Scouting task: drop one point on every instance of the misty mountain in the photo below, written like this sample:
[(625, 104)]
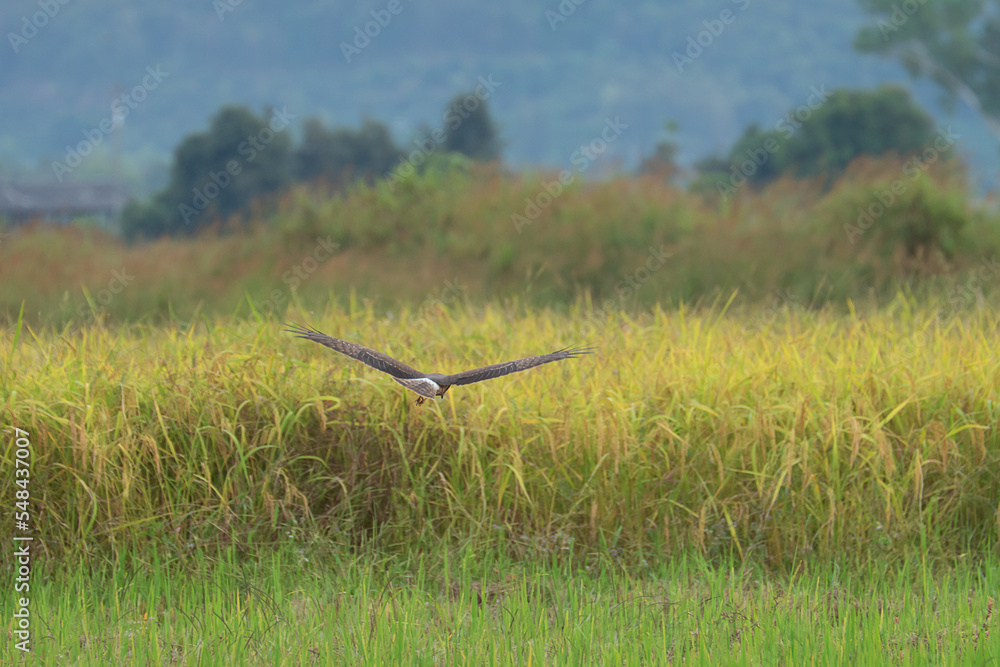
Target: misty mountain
[(73, 70)]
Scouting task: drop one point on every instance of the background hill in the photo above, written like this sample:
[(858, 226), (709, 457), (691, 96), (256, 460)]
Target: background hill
[(559, 79)]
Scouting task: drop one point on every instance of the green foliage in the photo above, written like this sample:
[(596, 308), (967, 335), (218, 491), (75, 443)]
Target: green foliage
[(906, 215), (217, 173), (663, 162), (760, 155), (821, 140), (711, 176), (399, 238), (955, 43), (343, 155), (470, 128), (430, 171), (854, 123), (150, 220), (445, 164)]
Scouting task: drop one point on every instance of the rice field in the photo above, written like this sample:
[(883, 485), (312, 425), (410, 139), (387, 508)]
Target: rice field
[(804, 433), (717, 485)]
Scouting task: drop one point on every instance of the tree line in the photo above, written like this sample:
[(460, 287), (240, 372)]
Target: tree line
[(244, 156)]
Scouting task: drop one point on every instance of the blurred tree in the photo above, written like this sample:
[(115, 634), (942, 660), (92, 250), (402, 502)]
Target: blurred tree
[(470, 129), (955, 43), (341, 155), (217, 173), (711, 174), (852, 123), (150, 219), (757, 153), (823, 138), (663, 161)]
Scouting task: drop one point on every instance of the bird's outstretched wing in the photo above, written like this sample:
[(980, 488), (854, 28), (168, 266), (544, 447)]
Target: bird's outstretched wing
[(369, 357), (508, 367)]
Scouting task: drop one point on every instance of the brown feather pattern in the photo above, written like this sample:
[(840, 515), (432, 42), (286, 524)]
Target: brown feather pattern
[(507, 367), (425, 383), (377, 360)]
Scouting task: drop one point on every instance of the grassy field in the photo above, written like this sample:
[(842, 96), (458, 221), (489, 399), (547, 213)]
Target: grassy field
[(778, 487), (784, 449), (304, 607), (628, 243)]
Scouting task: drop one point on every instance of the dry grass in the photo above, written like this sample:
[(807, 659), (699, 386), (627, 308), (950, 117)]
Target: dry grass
[(409, 245)]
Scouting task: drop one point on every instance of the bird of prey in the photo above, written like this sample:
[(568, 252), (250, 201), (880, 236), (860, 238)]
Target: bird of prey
[(429, 385)]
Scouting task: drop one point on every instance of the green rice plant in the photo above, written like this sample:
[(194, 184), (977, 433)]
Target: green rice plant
[(298, 606)]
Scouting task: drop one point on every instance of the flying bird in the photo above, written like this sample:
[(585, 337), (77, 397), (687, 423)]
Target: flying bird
[(429, 385)]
